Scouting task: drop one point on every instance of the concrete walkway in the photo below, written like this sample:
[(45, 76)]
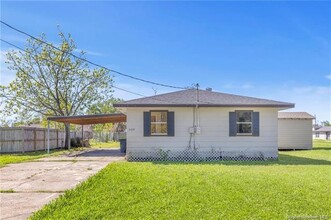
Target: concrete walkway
[(38, 182)]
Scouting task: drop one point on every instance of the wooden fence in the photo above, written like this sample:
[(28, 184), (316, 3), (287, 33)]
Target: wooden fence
[(104, 136), (29, 139)]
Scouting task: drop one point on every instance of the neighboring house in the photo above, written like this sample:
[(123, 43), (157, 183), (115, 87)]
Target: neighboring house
[(323, 133), (294, 130), (201, 125)]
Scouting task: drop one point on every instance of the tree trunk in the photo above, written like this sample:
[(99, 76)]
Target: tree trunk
[(67, 132)]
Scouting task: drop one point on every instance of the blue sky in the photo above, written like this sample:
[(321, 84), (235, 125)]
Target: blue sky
[(275, 50)]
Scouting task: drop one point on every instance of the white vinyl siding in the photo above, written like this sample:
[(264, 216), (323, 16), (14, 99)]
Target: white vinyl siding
[(295, 134), (214, 123)]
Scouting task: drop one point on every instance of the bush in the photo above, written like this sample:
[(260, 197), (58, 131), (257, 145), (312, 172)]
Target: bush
[(79, 142), (76, 142)]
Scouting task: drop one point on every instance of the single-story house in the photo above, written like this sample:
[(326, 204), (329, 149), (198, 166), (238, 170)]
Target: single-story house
[(201, 125), (294, 130), (323, 133)]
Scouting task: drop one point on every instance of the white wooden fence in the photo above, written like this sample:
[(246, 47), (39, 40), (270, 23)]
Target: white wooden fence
[(25, 139)]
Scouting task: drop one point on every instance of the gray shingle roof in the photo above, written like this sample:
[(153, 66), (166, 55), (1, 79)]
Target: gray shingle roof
[(187, 98), (294, 115), (324, 129)]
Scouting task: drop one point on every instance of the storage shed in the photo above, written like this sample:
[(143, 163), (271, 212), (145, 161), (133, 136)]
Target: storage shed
[(295, 131)]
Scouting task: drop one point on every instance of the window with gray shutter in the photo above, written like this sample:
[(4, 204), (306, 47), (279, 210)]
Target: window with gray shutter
[(159, 123), (171, 123), (244, 123), (232, 124), (256, 124), (147, 124)]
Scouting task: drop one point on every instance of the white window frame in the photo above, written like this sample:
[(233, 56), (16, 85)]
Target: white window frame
[(159, 123), (238, 123)]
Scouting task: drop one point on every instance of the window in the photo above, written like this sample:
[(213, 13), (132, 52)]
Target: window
[(317, 134), (159, 125), (244, 122)]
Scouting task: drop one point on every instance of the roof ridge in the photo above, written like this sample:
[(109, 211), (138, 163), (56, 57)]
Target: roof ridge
[(207, 98), (245, 96)]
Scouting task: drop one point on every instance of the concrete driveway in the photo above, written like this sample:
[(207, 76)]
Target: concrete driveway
[(36, 183)]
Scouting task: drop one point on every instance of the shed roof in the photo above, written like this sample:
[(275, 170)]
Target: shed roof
[(90, 119), (187, 98), (294, 115)]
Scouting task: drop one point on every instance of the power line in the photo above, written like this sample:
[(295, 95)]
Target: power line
[(134, 93), (13, 45), (90, 62), (116, 87)]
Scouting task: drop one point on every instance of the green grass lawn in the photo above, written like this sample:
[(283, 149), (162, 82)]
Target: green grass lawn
[(28, 156), (96, 144), (297, 185)]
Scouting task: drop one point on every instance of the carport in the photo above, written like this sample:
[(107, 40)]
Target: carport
[(85, 120)]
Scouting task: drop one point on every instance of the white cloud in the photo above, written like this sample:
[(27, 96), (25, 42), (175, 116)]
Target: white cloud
[(6, 75), (328, 77), (315, 100), (237, 86)]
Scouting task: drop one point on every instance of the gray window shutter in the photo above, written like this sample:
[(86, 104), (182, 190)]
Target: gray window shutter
[(171, 123), (232, 124), (147, 124), (256, 124)]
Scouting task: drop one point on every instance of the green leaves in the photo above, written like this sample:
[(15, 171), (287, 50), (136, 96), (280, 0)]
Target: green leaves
[(51, 82)]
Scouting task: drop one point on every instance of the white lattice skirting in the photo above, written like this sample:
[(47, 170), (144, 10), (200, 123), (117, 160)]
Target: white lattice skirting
[(196, 156)]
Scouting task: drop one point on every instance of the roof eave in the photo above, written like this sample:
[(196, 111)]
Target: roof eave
[(290, 105)]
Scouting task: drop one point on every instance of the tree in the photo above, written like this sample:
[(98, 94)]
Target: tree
[(104, 107), (51, 82), (325, 123)]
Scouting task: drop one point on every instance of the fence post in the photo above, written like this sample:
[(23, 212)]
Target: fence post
[(45, 140), (35, 139), (64, 138), (23, 134), (57, 138), (48, 136), (83, 136)]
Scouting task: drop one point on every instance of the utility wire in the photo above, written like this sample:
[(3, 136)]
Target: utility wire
[(13, 45), (90, 62), (134, 93), (116, 87)]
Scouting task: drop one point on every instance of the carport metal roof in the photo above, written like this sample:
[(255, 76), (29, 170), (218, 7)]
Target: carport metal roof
[(90, 119)]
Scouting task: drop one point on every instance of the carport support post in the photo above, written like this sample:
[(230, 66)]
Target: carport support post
[(83, 136), (48, 136)]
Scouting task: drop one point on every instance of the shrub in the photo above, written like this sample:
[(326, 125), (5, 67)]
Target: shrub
[(76, 142)]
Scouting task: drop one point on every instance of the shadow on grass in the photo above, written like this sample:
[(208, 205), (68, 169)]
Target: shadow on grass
[(282, 160), (322, 148), (33, 153)]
